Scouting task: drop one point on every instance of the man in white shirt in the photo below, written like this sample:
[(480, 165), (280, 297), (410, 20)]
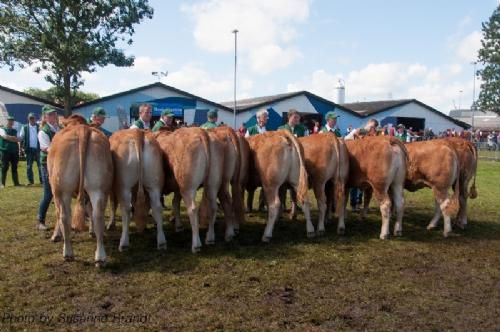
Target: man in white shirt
[(261, 126), (29, 142), (145, 114), (47, 132)]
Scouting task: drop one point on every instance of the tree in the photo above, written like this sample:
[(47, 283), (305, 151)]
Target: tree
[(55, 95), (68, 37), (489, 56)]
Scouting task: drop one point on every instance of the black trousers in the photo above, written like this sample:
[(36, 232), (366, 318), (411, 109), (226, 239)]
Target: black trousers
[(10, 159)]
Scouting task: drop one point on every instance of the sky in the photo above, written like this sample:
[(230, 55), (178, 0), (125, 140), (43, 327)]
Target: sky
[(381, 49)]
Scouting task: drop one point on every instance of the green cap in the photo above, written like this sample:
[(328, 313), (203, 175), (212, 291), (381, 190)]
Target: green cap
[(46, 109), (212, 113), (168, 113), (10, 117), (331, 115), (31, 115), (99, 111)]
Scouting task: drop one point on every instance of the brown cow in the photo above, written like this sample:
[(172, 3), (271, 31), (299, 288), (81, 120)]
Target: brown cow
[(326, 160), (467, 157), (435, 165), (379, 163), (225, 170), (138, 169), (187, 156), (277, 159), (79, 161)]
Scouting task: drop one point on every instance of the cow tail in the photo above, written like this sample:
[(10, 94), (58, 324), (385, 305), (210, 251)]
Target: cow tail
[(236, 189), (339, 186), (78, 220), (473, 191), (454, 205), (140, 208), (303, 185)]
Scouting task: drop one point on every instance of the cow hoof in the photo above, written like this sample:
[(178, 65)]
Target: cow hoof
[(266, 239), (229, 238), (398, 233), (195, 250), (341, 231), (446, 234), (69, 258), (431, 227), (100, 264), (111, 227), (122, 248), (56, 238), (384, 236), (210, 242), (321, 233), (162, 246), (311, 234), (179, 229)]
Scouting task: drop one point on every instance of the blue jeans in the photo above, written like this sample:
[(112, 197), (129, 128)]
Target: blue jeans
[(356, 197), (47, 195), (33, 155)]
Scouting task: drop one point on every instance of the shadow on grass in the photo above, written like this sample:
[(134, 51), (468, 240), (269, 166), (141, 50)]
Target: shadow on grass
[(288, 237)]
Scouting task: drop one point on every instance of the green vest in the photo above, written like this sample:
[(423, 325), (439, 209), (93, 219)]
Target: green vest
[(401, 136), (158, 125), (208, 125), (299, 130), (336, 131), (43, 154), (139, 124), (26, 140), (8, 146), (254, 130)]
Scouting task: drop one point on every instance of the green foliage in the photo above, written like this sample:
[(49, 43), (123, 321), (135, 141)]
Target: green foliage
[(489, 56), (55, 95), (67, 38)]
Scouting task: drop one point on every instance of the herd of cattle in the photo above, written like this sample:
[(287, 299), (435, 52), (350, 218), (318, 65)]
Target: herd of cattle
[(135, 168)]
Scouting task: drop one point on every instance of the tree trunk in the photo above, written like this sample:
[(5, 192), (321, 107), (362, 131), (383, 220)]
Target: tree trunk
[(67, 95)]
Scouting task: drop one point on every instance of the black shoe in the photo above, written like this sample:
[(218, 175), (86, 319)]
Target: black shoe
[(17, 185)]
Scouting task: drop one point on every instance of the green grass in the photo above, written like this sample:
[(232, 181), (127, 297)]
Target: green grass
[(353, 282)]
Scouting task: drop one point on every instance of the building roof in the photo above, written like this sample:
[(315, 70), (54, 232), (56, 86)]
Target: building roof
[(482, 120), (156, 84), (250, 103), (23, 94), (369, 108)]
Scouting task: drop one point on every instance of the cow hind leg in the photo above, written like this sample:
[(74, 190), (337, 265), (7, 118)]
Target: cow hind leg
[(157, 209), (385, 211), (227, 204), (209, 212), (367, 193), (57, 234), (88, 212), (274, 205), (63, 201), (98, 202), (125, 201), (192, 211), (437, 215), (114, 205), (319, 193), (398, 203), (462, 211), (176, 208), (444, 201)]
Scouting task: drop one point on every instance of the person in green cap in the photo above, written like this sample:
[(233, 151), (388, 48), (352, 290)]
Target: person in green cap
[(401, 133), (293, 125), (166, 121), (145, 114), (10, 151), (331, 124), (212, 119), (48, 128), (97, 120), (31, 147), (261, 126)]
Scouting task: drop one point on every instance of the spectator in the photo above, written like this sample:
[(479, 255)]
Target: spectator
[(166, 121), (316, 127), (9, 147), (29, 138), (48, 128), (97, 120), (401, 133), (331, 124), (261, 126), (145, 114), (242, 131), (212, 116), (293, 125)]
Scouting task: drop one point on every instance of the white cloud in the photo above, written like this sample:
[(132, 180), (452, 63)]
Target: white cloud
[(468, 47), (266, 28), (437, 86), (146, 64)]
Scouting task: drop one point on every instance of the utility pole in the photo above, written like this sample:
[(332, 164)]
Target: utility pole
[(235, 31), (473, 107)]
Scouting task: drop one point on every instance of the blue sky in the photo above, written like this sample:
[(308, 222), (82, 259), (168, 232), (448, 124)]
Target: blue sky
[(381, 49)]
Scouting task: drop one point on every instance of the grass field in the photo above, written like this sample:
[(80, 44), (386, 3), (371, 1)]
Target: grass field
[(353, 282)]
